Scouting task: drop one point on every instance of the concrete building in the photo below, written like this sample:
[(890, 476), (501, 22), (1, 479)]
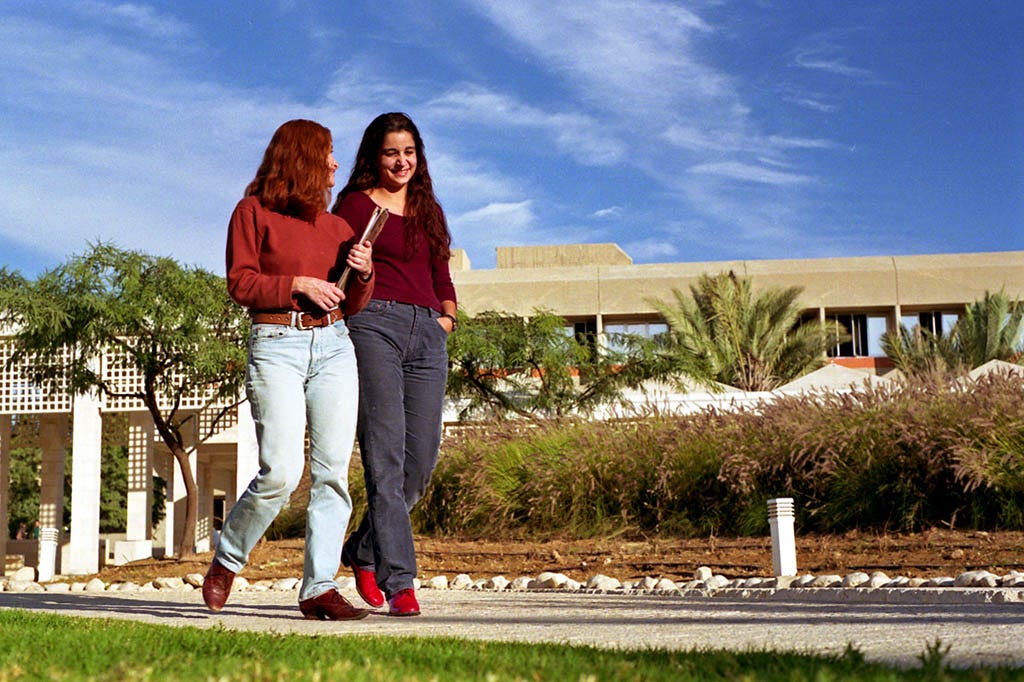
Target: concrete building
[(596, 287)]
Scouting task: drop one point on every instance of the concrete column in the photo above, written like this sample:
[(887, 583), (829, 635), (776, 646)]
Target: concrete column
[(5, 468), (204, 508), (138, 543), (53, 429), (165, 467), (86, 444)]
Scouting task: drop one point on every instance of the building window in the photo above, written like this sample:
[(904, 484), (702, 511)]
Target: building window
[(865, 332), (614, 332), (937, 322)]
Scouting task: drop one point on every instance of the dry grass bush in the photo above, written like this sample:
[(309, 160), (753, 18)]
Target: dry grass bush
[(927, 451)]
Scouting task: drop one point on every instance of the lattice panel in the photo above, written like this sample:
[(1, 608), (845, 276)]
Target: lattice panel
[(121, 377), (18, 395)]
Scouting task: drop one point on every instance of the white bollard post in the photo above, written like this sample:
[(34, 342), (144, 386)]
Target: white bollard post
[(780, 517), (48, 540)]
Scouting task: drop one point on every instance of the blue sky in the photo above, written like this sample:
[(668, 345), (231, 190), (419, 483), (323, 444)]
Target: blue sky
[(683, 131)]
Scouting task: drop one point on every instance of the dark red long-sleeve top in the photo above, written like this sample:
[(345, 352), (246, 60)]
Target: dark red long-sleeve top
[(266, 250), (419, 280)]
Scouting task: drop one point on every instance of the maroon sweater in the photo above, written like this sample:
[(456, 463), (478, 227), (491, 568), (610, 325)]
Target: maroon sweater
[(420, 280), (266, 250)]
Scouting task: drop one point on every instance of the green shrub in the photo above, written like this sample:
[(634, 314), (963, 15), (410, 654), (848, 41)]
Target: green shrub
[(902, 456)]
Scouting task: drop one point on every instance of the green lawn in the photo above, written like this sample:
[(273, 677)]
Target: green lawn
[(49, 647)]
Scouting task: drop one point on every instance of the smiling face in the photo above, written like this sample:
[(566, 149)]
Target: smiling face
[(332, 166), (397, 160)]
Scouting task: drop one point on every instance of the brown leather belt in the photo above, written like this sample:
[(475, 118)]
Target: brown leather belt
[(297, 319)]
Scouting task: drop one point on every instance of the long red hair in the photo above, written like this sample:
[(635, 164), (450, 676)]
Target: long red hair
[(293, 176)]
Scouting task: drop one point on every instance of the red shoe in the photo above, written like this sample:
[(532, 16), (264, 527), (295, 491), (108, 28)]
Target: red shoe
[(403, 604), (330, 606), (217, 586), (366, 582)]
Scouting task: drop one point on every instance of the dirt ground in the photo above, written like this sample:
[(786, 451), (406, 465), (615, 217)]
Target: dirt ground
[(932, 553)]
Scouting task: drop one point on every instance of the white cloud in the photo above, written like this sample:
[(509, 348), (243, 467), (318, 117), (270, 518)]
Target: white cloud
[(745, 172), (610, 212), (143, 19), (575, 135)]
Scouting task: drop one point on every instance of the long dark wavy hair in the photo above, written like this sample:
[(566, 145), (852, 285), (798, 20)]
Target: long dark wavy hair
[(293, 176), (422, 210)]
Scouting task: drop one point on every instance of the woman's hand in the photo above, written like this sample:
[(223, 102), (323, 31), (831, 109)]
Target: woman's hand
[(360, 259), (321, 292)]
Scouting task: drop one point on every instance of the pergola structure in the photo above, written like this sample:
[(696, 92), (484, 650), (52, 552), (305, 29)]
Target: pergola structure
[(222, 464)]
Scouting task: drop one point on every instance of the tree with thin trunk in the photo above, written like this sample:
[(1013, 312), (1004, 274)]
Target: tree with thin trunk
[(535, 368), (725, 332), (172, 326)]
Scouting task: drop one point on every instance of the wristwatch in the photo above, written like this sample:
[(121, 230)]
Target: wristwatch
[(455, 321)]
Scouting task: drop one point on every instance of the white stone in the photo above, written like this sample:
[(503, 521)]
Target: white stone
[(571, 585), (551, 581), (416, 584), (666, 586), (78, 586), (148, 587), (782, 582), (129, 587), (347, 583), (878, 579), (693, 584), (240, 584), (95, 585), (498, 582), (25, 574), (976, 579), (917, 582), (461, 582), (194, 579), (856, 579), (940, 581), (898, 581), (702, 573), (716, 582), (521, 584), (647, 584), (168, 583), (603, 583), (20, 585), (285, 584), (438, 582), (805, 580), (827, 581)]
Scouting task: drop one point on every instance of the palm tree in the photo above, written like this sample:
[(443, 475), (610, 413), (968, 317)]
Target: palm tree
[(724, 333), (990, 329), (920, 351)]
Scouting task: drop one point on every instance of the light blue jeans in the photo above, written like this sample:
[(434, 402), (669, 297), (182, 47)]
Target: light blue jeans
[(297, 377)]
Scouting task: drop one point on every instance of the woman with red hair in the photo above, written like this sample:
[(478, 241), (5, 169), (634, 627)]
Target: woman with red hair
[(285, 253)]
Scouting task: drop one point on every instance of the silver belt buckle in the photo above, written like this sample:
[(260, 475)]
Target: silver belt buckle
[(297, 319)]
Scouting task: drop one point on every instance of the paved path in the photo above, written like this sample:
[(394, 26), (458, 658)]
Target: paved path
[(979, 633)]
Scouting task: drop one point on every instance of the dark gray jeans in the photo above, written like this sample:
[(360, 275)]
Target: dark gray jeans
[(402, 357)]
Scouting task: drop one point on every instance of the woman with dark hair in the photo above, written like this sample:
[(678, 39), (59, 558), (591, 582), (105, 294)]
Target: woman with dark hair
[(284, 254), (401, 346)]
